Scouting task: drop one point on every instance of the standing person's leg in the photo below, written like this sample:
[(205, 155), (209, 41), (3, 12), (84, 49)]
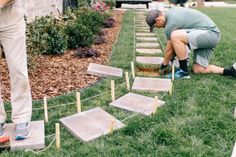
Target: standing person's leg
[(14, 44)]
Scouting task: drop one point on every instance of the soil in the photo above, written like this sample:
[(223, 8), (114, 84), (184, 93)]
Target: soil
[(55, 75)]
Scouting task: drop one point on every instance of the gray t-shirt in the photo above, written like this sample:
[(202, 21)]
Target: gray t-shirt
[(185, 18)]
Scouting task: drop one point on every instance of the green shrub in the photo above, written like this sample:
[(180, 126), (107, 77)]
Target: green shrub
[(83, 3), (46, 36), (92, 20), (110, 3), (79, 35)]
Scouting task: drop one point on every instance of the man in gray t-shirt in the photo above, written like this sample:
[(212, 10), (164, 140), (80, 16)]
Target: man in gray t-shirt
[(188, 28)]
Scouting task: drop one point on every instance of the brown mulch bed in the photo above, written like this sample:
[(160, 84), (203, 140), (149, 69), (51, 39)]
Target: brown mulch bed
[(55, 75)]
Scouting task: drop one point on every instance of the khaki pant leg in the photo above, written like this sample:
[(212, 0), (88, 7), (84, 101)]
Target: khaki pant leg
[(13, 41)]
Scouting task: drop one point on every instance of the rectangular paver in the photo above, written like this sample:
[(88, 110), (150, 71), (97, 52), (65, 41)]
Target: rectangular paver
[(150, 60), (147, 45), (35, 141), (137, 103), (152, 39), (151, 84), (91, 124), (103, 71), (143, 30), (145, 34), (149, 51)]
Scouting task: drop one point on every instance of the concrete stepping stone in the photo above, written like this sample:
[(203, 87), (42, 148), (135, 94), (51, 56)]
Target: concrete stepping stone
[(35, 141), (103, 71), (149, 51), (143, 30), (133, 6), (137, 103), (91, 124), (142, 27), (147, 45), (147, 38), (150, 60), (145, 34), (151, 84)]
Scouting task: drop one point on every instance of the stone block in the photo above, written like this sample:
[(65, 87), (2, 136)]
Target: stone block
[(147, 45), (91, 124), (145, 34), (137, 103), (152, 39), (149, 51), (150, 60), (151, 84), (104, 71), (35, 141)]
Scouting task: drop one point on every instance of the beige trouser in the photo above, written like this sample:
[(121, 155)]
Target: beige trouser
[(13, 40)]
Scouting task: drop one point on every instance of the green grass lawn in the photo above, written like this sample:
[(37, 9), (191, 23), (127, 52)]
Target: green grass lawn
[(197, 119)]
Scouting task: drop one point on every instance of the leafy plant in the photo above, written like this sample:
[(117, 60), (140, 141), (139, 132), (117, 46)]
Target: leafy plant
[(46, 36), (109, 22), (79, 35), (87, 52), (92, 20), (100, 38)]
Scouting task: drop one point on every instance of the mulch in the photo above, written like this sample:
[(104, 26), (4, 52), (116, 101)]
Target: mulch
[(55, 75)]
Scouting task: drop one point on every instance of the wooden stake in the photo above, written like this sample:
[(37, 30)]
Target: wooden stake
[(173, 73), (234, 150), (113, 90), (171, 89), (127, 80), (112, 125), (132, 69), (156, 105), (78, 102), (235, 113), (58, 139), (45, 109)]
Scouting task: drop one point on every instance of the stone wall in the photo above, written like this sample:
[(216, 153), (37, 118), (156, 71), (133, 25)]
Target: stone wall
[(36, 8)]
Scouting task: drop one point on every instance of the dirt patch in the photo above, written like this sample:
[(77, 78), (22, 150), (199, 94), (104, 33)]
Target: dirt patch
[(151, 72), (55, 75)]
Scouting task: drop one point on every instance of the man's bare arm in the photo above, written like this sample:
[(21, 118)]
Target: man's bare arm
[(169, 53)]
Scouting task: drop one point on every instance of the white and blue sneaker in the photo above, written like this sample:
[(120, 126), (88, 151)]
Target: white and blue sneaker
[(2, 128), (179, 74), (22, 131)]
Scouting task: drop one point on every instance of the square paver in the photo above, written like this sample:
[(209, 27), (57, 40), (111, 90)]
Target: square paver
[(103, 70), (145, 34), (150, 60), (35, 141), (149, 51), (91, 124), (147, 39), (147, 45), (137, 103), (151, 84), (143, 30)]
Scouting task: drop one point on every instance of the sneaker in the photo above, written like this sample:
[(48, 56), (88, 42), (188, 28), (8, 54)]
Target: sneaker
[(2, 128), (22, 131), (179, 73)]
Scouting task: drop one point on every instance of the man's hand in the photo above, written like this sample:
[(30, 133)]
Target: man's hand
[(164, 69), (4, 3)]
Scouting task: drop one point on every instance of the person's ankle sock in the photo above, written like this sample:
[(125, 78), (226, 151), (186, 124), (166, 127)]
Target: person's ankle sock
[(183, 65)]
